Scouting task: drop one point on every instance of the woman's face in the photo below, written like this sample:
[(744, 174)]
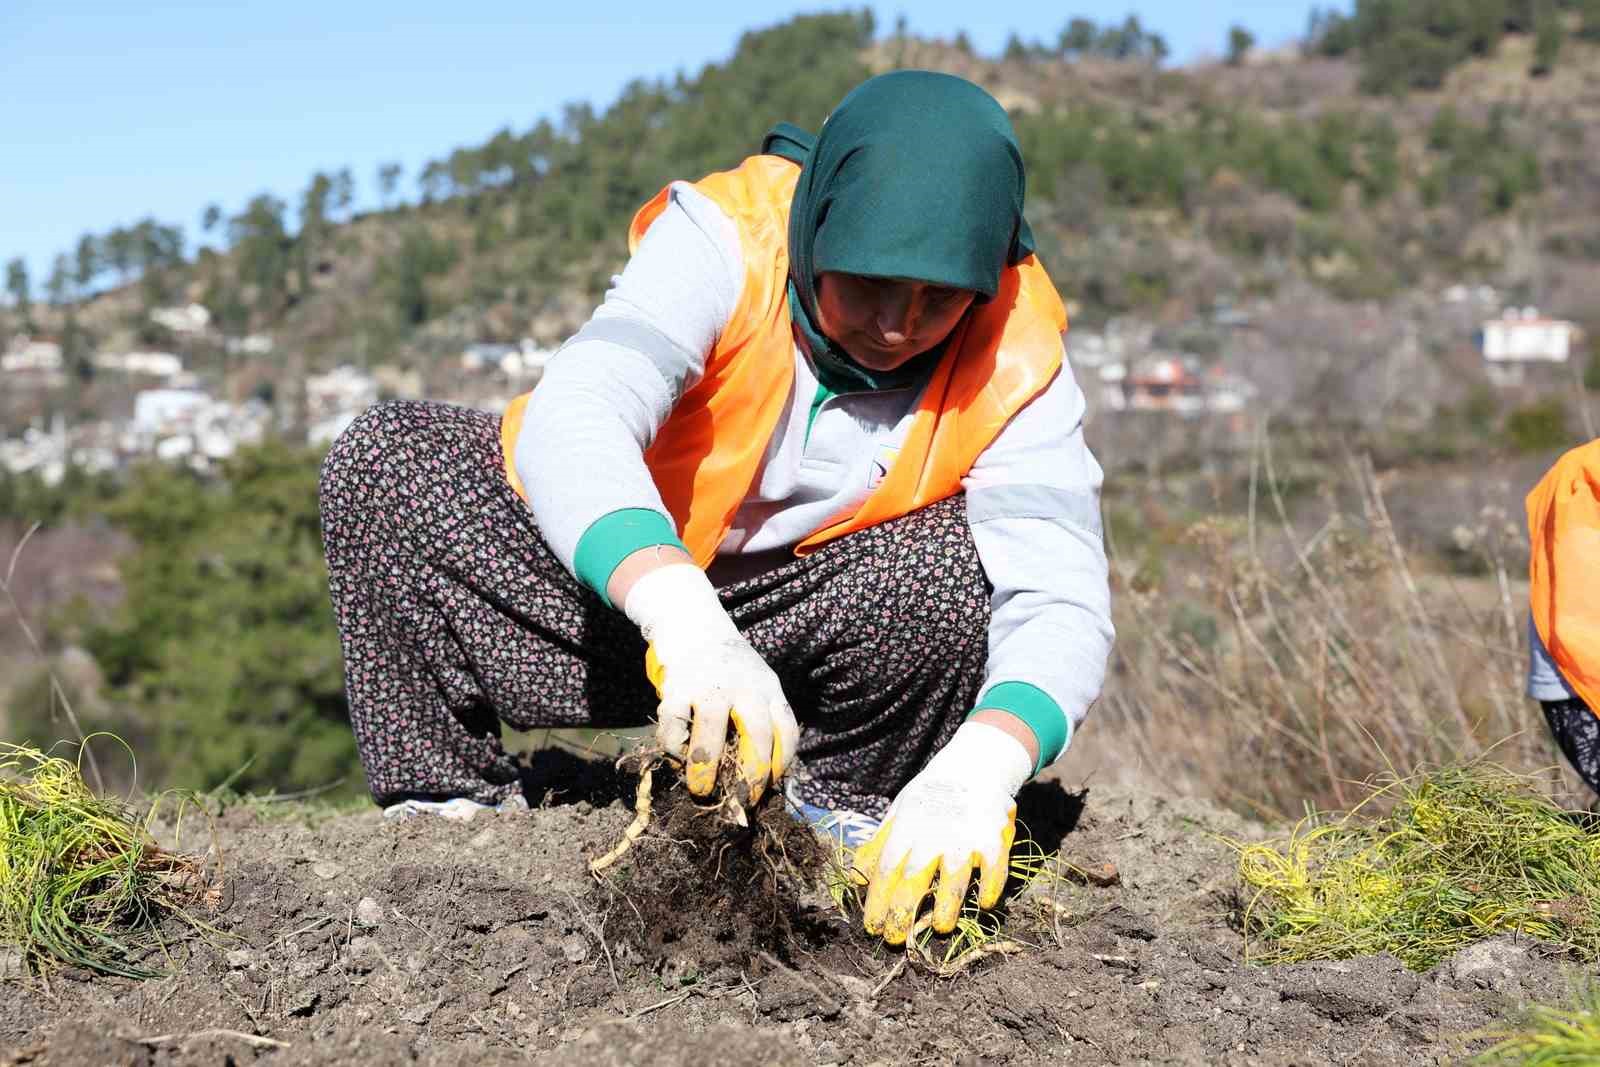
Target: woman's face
[(883, 322)]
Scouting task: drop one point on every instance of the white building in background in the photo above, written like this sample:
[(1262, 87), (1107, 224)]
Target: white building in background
[(1475, 294), (325, 431), (344, 388), (192, 426), (485, 354), (528, 361), (1091, 350), (27, 354), (400, 382), (1525, 336), (1521, 337), (524, 359), (1176, 385), (159, 411), (151, 364), (255, 344), (189, 320)]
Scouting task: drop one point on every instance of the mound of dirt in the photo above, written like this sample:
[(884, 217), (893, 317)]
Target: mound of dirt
[(357, 940)]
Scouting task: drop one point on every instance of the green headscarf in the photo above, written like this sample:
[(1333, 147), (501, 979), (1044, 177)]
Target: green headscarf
[(915, 175)]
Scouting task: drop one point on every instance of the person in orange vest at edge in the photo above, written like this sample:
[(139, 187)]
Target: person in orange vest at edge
[(1564, 595), (814, 467)]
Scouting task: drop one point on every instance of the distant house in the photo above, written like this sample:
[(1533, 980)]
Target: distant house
[(484, 354), (31, 355), (345, 388), (159, 411), (514, 361), (255, 344), (190, 319), (1525, 336), (153, 364), (1165, 384), (1463, 294), (324, 431), (1090, 350), (392, 381), (1174, 384), (1521, 337)]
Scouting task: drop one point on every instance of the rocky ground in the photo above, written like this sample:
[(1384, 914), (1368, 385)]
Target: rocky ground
[(349, 939)]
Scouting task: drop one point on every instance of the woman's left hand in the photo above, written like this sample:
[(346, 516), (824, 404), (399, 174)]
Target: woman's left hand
[(960, 812)]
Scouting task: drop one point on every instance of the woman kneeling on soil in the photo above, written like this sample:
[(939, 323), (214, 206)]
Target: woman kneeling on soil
[(1564, 594), (820, 447)]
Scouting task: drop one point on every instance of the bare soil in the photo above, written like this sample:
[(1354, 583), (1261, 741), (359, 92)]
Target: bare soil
[(351, 939)]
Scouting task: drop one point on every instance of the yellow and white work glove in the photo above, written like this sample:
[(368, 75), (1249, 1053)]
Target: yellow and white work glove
[(705, 674), (960, 812)]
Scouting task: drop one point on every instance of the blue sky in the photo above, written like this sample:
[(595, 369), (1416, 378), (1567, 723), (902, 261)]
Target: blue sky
[(110, 110)]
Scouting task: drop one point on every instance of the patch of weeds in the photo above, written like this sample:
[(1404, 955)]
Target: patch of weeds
[(82, 882), (1548, 1036), (1539, 427), (1462, 854)]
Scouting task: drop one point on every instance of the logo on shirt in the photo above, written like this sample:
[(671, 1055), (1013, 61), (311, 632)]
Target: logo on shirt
[(881, 464)]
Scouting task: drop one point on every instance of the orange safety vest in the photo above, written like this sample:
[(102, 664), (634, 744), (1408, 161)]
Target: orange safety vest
[(708, 453), (1564, 567)]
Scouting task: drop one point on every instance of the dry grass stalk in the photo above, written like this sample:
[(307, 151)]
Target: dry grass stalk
[(58, 695), (1334, 659)]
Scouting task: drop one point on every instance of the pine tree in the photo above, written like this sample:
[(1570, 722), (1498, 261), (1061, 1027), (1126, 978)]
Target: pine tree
[(1547, 42), (1589, 20), (17, 286), (1240, 41)]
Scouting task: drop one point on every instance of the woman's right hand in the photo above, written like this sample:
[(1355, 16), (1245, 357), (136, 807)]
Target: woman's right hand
[(706, 674)]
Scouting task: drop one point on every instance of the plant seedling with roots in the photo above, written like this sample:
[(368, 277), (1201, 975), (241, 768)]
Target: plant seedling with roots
[(717, 855), (711, 879), (725, 807), (81, 880)]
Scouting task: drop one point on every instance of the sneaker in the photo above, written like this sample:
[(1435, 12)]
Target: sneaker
[(456, 809), (849, 828)]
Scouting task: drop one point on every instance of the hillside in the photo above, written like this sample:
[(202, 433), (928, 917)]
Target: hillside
[(1160, 193)]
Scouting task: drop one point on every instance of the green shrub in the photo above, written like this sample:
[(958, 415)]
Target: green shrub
[(224, 643), (1193, 626), (1540, 427)]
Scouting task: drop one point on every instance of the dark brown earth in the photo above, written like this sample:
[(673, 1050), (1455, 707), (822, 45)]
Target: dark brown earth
[(349, 939)]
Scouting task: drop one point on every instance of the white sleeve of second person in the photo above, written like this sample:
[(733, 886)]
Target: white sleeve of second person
[(607, 391), (1545, 680), (1033, 502)]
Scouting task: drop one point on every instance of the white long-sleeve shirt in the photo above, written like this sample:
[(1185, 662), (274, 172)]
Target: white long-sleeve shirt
[(1032, 496)]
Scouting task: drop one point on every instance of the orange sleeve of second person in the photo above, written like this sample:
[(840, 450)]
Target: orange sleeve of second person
[(1564, 567)]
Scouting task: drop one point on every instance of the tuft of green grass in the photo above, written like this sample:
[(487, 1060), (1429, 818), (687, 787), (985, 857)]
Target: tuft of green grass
[(1551, 1037), (82, 881), (1461, 854)]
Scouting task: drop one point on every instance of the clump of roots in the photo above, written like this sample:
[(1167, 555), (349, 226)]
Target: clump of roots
[(713, 879)]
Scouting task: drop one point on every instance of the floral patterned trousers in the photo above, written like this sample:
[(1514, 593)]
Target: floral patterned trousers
[(455, 617), (1577, 734)]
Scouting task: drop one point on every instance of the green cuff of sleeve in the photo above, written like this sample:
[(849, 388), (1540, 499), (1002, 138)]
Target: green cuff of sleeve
[(614, 537), (1050, 725)]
